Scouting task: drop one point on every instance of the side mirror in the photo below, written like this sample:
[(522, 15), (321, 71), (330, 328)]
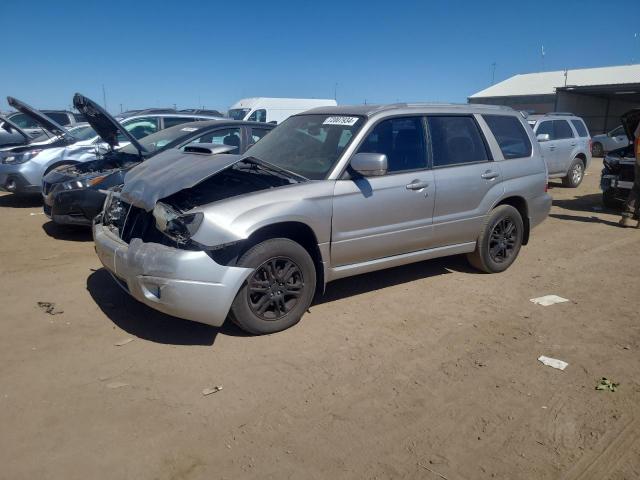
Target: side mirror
[(370, 164), (543, 137)]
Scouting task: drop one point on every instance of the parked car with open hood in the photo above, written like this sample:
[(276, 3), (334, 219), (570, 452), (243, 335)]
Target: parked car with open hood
[(330, 193), (610, 141), (22, 167), (565, 144), (75, 195), (620, 166), (89, 148)]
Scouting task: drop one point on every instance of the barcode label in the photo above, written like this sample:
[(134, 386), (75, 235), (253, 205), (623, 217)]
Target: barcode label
[(348, 121)]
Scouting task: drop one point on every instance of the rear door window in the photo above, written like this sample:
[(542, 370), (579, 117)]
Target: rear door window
[(173, 121), (400, 139), (580, 128), (510, 135), (456, 140), (257, 134), (59, 118), (546, 128), (562, 129)]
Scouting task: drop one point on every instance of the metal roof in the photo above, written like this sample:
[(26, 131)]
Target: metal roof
[(546, 83)]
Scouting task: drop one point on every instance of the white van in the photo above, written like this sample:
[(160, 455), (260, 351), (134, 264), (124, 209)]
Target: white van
[(274, 110)]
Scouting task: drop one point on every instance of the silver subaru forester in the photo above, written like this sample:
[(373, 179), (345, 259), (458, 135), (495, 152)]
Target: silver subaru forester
[(330, 193)]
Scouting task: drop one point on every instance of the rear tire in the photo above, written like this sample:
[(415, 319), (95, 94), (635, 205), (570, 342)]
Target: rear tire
[(278, 291), (500, 240), (575, 175), (597, 150)]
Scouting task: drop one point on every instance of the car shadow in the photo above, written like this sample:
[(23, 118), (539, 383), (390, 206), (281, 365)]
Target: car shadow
[(12, 200), (390, 277), (149, 324), (67, 232), (586, 203), (578, 218)]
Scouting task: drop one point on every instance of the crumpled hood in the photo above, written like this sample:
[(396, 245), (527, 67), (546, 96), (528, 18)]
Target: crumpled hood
[(169, 172)]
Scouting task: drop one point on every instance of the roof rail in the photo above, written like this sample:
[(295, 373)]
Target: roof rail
[(568, 114)]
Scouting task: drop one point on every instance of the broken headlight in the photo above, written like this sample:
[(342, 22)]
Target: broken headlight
[(177, 226)]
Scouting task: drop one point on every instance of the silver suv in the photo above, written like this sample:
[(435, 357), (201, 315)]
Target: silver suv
[(330, 193), (566, 145)]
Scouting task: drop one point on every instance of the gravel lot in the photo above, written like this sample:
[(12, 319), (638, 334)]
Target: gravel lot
[(426, 371)]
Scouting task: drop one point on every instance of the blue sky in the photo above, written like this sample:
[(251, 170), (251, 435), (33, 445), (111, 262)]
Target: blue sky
[(195, 53)]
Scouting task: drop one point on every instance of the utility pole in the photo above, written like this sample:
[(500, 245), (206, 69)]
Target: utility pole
[(542, 58), (104, 97), (493, 73), (335, 92), (120, 108)]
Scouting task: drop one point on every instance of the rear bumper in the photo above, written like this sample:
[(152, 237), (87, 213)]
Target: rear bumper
[(539, 208), (183, 283)]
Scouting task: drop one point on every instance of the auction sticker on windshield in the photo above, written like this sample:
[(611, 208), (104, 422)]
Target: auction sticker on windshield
[(348, 121)]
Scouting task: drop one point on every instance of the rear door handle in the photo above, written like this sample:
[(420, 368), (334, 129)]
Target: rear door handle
[(489, 175), (417, 185)]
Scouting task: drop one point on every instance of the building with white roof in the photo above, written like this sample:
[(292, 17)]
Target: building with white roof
[(598, 95)]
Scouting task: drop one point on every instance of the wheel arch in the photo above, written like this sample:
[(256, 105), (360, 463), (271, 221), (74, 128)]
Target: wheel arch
[(520, 204), (59, 163)]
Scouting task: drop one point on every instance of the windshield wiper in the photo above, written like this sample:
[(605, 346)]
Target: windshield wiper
[(275, 168)]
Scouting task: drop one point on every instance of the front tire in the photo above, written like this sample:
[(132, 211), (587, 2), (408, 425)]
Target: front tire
[(500, 240), (575, 175), (280, 289), (597, 150)]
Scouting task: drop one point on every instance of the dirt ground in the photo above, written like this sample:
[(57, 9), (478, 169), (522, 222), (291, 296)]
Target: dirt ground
[(427, 371)]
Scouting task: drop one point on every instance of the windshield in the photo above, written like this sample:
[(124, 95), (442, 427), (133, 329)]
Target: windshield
[(238, 113), (158, 140), (84, 132), (308, 145)]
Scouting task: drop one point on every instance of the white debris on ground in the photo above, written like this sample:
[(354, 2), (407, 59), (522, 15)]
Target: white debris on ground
[(114, 385), (124, 341), (553, 362), (209, 391), (548, 300)]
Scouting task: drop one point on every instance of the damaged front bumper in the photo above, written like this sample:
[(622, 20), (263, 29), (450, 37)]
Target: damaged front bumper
[(183, 283)]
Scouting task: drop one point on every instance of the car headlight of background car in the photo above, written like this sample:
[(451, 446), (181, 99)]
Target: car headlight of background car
[(174, 225), (20, 157), (84, 182)]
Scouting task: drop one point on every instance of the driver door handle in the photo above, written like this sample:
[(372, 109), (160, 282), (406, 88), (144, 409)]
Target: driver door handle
[(417, 185)]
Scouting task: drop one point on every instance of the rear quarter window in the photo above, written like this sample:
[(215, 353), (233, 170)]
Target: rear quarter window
[(510, 135), (580, 128)]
